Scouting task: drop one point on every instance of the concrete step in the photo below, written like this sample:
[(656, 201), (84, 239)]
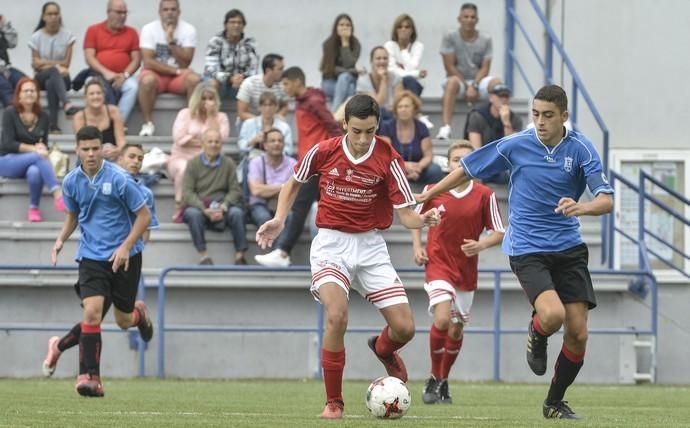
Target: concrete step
[(171, 245)]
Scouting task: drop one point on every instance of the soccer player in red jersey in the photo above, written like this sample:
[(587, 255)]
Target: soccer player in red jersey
[(361, 180), (451, 258)]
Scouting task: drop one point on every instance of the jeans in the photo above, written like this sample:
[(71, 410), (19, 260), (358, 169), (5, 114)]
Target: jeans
[(339, 89), (260, 214), (198, 222), (431, 174), (8, 81), (56, 86), (124, 98), (308, 193), (37, 171), (412, 84)]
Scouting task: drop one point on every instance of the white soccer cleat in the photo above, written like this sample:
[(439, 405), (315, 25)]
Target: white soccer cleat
[(50, 362), (147, 129), (444, 133), (273, 259)]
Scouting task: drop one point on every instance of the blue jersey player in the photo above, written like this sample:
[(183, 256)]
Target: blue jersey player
[(112, 214), (549, 169)]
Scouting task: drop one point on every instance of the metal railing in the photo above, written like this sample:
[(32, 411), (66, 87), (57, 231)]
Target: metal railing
[(642, 230), (36, 269), (496, 330), (552, 42)]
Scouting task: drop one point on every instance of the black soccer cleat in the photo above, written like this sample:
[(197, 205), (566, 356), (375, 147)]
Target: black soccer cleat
[(559, 410), (430, 395), (536, 351), (443, 393), (145, 325)]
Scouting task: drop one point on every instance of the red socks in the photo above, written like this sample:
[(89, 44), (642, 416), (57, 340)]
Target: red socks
[(437, 341), (449, 357), (333, 364), (385, 346)]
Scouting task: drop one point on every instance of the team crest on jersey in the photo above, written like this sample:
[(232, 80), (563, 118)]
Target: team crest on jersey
[(334, 172), (348, 174), (107, 188), (568, 164)]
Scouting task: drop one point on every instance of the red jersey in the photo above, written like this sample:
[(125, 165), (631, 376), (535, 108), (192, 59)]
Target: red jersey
[(356, 195), (315, 122), (112, 49), (464, 215)]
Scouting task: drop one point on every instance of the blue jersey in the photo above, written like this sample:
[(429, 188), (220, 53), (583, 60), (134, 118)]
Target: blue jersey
[(151, 203), (539, 177), (105, 207)]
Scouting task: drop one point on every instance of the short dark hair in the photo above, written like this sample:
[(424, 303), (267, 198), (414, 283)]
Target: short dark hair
[(234, 13), (272, 130), (553, 94), (362, 106), (89, 132), (130, 145), (269, 61), (294, 73), (468, 6)]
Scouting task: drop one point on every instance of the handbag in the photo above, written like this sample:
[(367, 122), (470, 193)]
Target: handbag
[(154, 161), (59, 160)]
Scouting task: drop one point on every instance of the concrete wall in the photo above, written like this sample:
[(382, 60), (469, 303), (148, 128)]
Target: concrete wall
[(639, 92)]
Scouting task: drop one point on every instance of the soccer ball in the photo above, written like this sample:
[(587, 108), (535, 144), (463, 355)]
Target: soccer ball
[(388, 398)]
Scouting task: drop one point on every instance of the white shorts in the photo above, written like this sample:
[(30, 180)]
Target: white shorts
[(355, 260), (483, 87), (461, 301)]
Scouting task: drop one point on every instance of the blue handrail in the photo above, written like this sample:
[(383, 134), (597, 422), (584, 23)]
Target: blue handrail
[(552, 41)]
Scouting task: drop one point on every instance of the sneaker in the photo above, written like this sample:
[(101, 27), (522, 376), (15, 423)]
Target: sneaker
[(147, 129), (72, 111), (443, 393), (145, 325), (559, 410), (333, 410), (425, 120), (34, 215), (443, 133), (206, 261), (536, 351), (89, 386), (430, 395), (273, 259), (50, 363), (394, 364), (55, 130), (240, 261), (59, 204)]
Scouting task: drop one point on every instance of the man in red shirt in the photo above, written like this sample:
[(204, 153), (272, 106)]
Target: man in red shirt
[(315, 123), (111, 50), (451, 259), (361, 179)]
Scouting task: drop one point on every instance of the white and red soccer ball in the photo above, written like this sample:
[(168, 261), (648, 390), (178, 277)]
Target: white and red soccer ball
[(388, 398)]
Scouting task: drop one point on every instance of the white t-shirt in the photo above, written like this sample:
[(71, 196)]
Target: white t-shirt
[(153, 37), (366, 86), (409, 58), (252, 87)]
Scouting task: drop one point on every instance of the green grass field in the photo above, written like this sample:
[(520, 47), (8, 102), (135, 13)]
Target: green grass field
[(259, 403)]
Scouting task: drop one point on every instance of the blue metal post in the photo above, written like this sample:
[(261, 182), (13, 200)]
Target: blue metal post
[(141, 346), (497, 326), (319, 332), (640, 219), (510, 43), (161, 324)]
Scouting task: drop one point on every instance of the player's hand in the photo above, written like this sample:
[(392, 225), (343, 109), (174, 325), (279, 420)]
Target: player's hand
[(570, 208), (432, 217), (268, 232), (471, 247), (420, 257), (56, 250), (120, 258), (420, 197)]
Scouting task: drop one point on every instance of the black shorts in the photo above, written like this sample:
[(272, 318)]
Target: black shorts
[(96, 278), (563, 271)]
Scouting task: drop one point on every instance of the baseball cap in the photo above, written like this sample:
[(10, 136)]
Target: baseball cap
[(502, 89)]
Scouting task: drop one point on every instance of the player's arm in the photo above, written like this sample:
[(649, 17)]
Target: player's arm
[(472, 247), (419, 252), (270, 230), (121, 256), (450, 181), (146, 236), (68, 227), (601, 204), (413, 220)]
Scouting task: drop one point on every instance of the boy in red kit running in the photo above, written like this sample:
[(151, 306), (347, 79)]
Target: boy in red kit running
[(451, 259), (361, 180)]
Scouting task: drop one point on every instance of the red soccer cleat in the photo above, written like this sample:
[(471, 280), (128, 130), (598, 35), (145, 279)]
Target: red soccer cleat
[(394, 364), (89, 386), (333, 410), (50, 363), (145, 325)]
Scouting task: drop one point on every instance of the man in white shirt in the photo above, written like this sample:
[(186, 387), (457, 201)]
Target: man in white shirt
[(252, 87), (167, 48)]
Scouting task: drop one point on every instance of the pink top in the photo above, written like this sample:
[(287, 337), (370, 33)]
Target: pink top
[(185, 128)]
